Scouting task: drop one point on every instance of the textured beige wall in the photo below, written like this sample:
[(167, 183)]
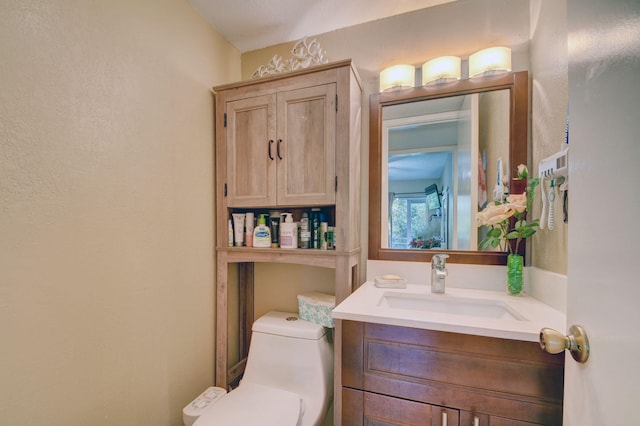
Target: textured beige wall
[(550, 97), (458, 28), (106, 209)]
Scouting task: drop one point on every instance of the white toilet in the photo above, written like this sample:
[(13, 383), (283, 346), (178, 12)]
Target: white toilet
[(288, 380)]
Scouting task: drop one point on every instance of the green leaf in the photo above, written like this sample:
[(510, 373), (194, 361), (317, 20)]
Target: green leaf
[(511, 235), (494, 232), (486, 243), (528, 233), (521, 224)]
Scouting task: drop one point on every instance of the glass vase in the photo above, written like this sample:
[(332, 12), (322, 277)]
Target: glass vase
[(514, 274)]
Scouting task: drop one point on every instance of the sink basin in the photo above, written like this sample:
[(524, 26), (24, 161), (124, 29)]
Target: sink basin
[(484, 308)]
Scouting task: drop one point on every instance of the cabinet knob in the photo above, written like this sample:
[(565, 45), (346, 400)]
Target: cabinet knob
[(476, 421), (554, 342), (444, 418), (270, 143)]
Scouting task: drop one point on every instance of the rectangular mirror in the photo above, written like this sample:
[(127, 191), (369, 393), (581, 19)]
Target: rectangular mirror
[(436, 153), (453, 143)]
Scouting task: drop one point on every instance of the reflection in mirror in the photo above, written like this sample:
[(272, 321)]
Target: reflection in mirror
[(455, 144), (438, 154)]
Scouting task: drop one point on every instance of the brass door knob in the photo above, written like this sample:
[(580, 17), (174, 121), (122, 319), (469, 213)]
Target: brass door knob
[(576, 342)]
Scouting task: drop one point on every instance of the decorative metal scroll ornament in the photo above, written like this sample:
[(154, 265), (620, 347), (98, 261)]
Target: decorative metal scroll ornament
[(305, 53)]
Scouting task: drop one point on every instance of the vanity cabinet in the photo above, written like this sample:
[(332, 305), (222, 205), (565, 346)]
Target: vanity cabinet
[(288, 140), (281, 148), (398, 375)]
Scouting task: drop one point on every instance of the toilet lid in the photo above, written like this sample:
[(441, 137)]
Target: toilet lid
[(252, 404)]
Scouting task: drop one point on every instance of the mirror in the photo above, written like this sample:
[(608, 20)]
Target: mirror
[(430, 149)]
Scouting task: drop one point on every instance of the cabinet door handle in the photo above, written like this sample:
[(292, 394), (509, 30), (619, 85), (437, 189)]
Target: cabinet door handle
[(278, 149), (444, 418), (476, 421), (270, 143)]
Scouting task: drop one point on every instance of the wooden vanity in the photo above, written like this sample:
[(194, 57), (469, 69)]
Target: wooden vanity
[(395, 375)]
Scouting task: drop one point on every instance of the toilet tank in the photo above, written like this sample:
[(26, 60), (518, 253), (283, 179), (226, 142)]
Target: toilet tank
[(292, 354)]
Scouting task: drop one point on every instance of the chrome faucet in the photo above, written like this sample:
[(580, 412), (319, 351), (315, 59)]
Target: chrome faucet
[(438, 272)]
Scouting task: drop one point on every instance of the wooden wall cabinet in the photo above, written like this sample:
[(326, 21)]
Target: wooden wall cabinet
[(281, 148), (397, 375), (290, 140)]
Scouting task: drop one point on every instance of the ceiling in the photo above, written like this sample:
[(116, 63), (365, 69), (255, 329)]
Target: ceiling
[(254, 24)]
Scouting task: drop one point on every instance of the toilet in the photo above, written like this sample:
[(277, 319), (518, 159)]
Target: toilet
[(288, 379)]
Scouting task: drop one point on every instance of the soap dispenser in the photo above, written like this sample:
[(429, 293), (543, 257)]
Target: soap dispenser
[(288, 232), (262, 233)]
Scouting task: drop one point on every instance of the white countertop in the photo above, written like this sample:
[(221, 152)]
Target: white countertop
[(364, 305)]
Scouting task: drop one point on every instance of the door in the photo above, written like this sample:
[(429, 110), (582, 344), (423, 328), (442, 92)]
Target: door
[(465, 210), (372, 409), (604, 211), (305, 146), (251, 152)]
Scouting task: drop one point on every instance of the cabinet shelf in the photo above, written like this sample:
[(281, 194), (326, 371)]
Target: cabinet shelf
[(310, 257)]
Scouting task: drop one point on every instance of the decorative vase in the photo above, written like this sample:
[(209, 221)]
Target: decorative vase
[(514, 274)]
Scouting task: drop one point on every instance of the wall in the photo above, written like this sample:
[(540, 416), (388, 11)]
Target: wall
[(549, 100), (106, 210), (458, 28), (494, 135)]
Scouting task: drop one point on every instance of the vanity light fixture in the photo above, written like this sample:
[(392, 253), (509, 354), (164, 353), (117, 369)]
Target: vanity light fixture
[(397, 77), (441, 70), (490, 61)]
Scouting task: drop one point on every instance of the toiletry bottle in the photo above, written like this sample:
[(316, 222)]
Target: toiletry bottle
[(305, 235), (274, 227), (230, 233), (315, 219), (262, 233), (288, 232), (330, 236), (248, 227), (314, 224), (324, 228), (238, 228)]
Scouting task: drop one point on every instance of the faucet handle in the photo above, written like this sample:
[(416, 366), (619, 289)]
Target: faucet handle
[(439, 260)]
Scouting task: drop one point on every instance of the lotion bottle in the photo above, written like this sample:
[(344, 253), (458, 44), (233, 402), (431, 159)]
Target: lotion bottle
[(288, 232), (262, 233)]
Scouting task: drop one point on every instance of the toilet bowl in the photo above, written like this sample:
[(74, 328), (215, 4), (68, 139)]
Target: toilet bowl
[(288, 380)]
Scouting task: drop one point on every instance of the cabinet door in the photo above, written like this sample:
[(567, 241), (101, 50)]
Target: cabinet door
[(380, 410), (473, 419), (251, 152), (371, 409), (305, 146), (444, 416)]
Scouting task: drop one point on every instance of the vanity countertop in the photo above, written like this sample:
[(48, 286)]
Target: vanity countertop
[(364, 305)]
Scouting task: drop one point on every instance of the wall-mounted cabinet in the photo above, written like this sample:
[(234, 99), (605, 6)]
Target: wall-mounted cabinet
[(290, 140), (281, 148)]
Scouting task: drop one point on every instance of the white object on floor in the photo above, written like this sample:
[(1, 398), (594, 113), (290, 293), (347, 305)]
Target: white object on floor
[(198, 406)]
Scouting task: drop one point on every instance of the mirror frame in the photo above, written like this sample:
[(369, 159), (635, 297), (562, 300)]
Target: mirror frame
[(518, 85)]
